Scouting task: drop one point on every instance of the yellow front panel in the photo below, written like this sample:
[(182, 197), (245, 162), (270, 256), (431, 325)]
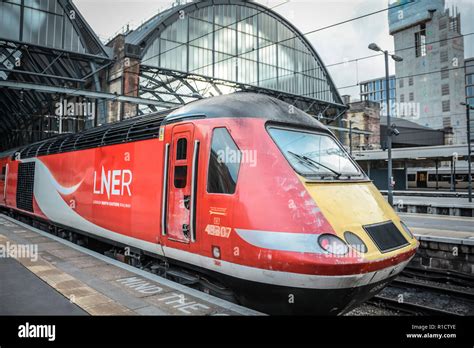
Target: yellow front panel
[(348, 206)]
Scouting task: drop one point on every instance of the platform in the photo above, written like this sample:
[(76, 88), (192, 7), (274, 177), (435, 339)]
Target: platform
[(454, 206), (446, 242), (428, 193), (51, 276), (23, 293), (458, 229)]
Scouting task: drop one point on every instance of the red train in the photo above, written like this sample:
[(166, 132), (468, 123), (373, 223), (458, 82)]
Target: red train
[(242, 189)]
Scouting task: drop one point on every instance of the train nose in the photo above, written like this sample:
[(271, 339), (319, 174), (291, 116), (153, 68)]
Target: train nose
[(361, 217)]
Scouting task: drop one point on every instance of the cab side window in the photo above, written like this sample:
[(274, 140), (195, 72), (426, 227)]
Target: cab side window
[(181, 169), (4, 172), (224, 163)]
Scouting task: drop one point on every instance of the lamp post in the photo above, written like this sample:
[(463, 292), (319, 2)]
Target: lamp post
[(350, 134), (469, 176), (376, 48)]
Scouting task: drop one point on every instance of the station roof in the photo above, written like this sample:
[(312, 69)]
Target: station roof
[(442, 152), (404, 123), (236, 105)]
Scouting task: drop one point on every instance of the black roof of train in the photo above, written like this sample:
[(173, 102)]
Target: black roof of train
[(238, 105), (247, 105)]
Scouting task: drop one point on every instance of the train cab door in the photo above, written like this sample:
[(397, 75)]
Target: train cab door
[(422, 179), (178, 224)]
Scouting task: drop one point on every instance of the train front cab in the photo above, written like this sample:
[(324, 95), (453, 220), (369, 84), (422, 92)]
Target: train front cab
[(242, 199)]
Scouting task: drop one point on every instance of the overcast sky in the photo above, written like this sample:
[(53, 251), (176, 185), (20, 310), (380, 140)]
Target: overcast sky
[(338, 44)]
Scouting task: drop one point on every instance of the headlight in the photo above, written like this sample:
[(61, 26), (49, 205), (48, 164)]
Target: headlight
[(407, 230), (333, 244), (355, 242)]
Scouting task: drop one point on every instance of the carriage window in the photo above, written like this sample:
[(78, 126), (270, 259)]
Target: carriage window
[(180, 176), (411, 177), (224, 163), (2, 175), (445, 177), (181, 171), (181, 149)]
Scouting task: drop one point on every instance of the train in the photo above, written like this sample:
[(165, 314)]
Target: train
[(244, 190), (430, 178)]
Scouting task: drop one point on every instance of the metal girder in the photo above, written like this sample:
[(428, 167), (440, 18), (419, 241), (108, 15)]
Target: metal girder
[(10, 102), (34, 48), (161, 84), (85, 93), (29, 87), (23, 72), (156, 79)]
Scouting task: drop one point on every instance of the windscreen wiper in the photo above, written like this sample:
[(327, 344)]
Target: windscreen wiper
[(314, 163), (304, 161)]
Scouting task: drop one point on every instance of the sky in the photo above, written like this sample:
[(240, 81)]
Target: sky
[(338, 44)]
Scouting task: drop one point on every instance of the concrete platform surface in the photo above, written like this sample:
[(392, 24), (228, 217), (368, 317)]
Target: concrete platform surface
[(442, 202), (70, 279), (429, 193), (449, 229), (23, 293)]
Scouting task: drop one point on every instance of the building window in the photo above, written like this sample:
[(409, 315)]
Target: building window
[(470, 79), (420, 42), (446, 122), (400, 83), (443, 56), (402, 98), (411, 96), (224, 163), (444, 73), (443, 39), (446, 106), (410, 81), (445, 89), (443, 23)]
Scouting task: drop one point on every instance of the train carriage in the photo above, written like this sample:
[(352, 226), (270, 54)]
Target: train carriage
[(243, 190)]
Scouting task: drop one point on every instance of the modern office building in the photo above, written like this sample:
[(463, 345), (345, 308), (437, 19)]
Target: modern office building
[(374, 90), (469, 64), (431, 76)]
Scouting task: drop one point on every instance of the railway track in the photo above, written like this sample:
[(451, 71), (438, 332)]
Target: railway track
[(463, 294), (428, 292), (439, 276), (407, 307)]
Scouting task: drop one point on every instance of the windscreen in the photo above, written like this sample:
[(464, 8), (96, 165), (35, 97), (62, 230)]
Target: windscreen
[(314, 154)]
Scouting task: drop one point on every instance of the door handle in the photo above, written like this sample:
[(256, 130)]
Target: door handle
[(186, 230), (187, 201)]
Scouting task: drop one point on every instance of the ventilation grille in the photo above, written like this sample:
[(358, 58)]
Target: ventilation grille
[(386, 236), (25, 185), (134, 129)]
